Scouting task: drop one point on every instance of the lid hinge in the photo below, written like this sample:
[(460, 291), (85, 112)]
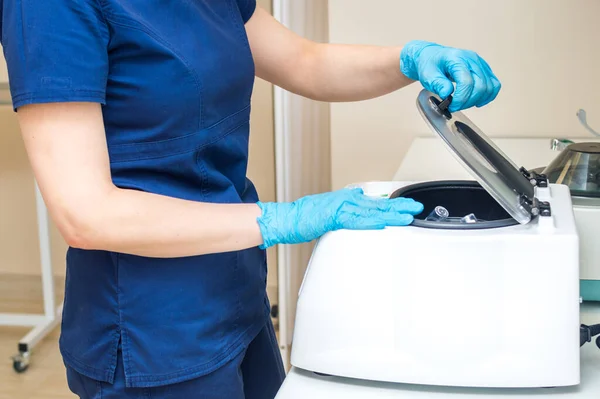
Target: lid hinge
[(532, 205), (535, 207), (544, 208), (536, 179), (527, 204)]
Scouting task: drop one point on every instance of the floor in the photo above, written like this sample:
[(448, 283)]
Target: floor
[(45, 377)]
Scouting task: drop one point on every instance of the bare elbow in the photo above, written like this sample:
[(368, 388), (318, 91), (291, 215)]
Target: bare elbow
[(75, 231), (78, 238), (77, 226)]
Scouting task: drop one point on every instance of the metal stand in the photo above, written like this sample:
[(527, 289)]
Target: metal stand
[(42, 324)]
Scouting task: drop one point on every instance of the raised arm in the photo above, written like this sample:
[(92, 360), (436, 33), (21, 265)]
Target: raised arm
[(325, 72), (339, 72)]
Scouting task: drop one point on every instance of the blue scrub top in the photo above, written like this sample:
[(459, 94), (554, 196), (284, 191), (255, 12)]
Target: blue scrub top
[(175, 80)]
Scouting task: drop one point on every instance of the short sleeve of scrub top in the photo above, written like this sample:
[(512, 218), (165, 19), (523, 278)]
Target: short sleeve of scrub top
[(55, 50)]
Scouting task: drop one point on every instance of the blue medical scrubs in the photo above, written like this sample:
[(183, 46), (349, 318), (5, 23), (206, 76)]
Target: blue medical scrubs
[(174, 78)]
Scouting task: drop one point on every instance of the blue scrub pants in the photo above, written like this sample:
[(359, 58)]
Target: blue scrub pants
[(257, 373)]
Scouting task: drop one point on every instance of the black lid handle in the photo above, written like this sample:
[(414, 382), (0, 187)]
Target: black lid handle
[(443, 106)]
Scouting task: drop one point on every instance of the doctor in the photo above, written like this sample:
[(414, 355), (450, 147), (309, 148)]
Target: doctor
[(135, 117)]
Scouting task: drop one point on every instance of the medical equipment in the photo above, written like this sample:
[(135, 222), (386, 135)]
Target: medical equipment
[(582, 116), (489, 304), (470, 218), (438, 213), (578, 167)]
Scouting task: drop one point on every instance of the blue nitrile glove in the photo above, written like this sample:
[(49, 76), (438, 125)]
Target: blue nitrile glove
[(436, 67), (308, 218)]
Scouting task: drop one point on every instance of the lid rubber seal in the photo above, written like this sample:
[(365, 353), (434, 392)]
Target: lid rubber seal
[(513, 189)]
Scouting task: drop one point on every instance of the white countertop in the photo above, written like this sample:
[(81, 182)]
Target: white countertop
[(429, 159), (300, 384)]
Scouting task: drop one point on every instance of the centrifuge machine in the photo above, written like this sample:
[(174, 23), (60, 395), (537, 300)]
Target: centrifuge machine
[(458, 298), (578, 167)]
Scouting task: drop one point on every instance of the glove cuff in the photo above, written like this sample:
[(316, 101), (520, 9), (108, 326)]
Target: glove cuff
[(264, 221), (409, 55)]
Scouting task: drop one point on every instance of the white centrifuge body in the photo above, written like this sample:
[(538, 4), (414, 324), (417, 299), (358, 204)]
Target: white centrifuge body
[(494, 307)]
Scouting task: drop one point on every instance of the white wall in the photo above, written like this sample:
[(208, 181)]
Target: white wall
[(545, 52), (3, 69), (302, 155)]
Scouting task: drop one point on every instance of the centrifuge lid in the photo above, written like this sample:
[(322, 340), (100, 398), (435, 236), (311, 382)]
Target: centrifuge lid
[(578, 167), (496, 173)]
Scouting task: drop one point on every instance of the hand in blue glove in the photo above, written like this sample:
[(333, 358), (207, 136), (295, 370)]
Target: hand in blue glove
[(436, 67), (310, 217)]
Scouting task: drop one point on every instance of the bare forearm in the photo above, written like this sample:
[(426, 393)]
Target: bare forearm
[(66, 144), (338, 72), (144, 224)]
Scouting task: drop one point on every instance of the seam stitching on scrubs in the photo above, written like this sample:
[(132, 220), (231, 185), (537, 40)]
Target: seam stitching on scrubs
[(101, 6), (95, 373), (126, 356), (79, 364), (192, 370), (197, 148), (213, 126), (83, 95), (110, 373), (236, 22), (201, 149), (119, 333), (33, 94), (203, 174), (120, 21), (239, 25)]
